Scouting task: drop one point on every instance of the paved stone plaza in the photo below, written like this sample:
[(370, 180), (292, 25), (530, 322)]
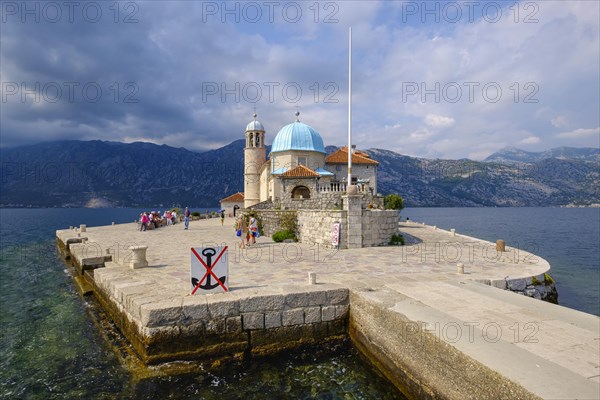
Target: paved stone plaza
[(551, 351), (432, 255)]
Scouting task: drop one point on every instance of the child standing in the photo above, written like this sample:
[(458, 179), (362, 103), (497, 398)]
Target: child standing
[(241, 230)]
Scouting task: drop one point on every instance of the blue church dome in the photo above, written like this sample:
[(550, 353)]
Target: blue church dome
[(297, 136)]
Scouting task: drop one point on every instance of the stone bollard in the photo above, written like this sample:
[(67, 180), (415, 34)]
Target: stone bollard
[(113, 223), (453, 232), (435, 228), (460, 268), (71, 227), (312, 278), (500, 245), (138, 258), (82, 227)]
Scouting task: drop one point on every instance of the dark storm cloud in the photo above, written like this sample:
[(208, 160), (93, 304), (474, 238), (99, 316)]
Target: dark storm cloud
[(169, 72), (150, 78), (90, 80)]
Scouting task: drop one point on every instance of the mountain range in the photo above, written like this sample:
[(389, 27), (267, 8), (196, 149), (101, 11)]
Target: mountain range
[(510, 155), (112, 174)]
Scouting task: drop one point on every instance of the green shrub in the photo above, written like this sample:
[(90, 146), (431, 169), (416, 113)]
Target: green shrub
[(280, 236), (195, 213), (397, 240), (289, 221), (393, 202)]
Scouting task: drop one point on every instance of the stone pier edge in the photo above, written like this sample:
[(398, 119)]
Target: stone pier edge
[(419, 364), (395, 356), (535, 286), (214, 325)]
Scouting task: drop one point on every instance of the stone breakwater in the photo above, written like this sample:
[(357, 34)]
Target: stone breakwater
[(165, 325), (229, 324), (419, 312)]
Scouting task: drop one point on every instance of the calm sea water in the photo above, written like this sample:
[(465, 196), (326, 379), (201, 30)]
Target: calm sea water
[(50, 347), (568, 238)]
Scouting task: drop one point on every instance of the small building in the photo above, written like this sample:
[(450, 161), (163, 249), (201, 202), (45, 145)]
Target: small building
[(364, 168), (232, 204)]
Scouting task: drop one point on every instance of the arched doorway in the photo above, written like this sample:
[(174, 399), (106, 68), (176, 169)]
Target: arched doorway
[(300, 192)]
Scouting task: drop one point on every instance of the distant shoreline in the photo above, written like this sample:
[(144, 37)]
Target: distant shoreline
[(193, 208), (214, 208)]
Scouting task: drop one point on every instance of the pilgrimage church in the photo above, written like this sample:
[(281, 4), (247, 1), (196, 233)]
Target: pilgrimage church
[(298, 173)]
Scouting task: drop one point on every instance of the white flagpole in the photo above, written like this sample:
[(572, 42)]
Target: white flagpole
[(349, 106)]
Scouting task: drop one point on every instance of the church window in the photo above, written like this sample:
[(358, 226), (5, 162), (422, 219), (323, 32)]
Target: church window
[(301, 160)]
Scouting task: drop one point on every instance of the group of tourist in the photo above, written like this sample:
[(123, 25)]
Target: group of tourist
[(154, 220), (246, 231)]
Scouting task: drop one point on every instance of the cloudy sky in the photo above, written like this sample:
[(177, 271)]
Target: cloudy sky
[(430, 79)]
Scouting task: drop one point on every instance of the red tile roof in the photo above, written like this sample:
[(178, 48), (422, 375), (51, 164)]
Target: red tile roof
[(340, 156), (239, 196), (300, 171)]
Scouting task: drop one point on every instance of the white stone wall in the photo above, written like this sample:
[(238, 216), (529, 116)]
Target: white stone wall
[(368, 227), (316, 227), (317, 201), (271, 220), (378, 226), (352, 204)]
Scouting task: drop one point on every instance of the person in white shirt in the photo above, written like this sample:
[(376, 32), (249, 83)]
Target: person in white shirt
[(253, 229)]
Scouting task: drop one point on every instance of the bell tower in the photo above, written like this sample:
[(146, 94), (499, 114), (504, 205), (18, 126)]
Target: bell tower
[(254, 158)]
